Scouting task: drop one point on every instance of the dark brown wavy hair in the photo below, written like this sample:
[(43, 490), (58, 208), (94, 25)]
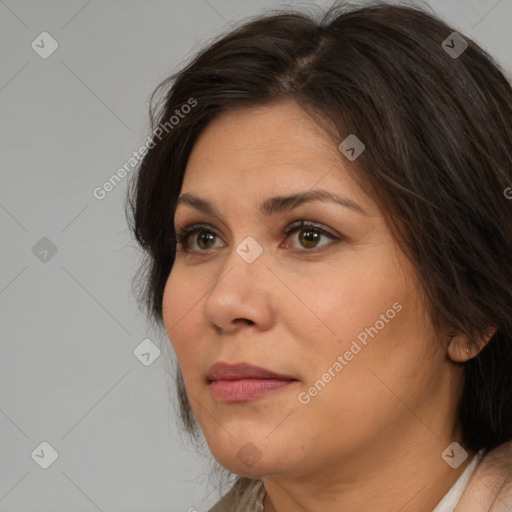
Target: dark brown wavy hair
[(438, 158)]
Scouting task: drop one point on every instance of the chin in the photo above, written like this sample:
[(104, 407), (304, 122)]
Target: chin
[(251, 456), (248, 469)]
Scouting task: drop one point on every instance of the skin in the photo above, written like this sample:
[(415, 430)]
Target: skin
[(372, 438)]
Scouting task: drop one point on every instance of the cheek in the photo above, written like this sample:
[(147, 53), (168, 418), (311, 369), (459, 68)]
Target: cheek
[(180, 309), (372, 317), (348, 303)]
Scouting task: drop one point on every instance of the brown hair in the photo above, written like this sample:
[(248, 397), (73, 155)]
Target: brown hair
[(437, 130)]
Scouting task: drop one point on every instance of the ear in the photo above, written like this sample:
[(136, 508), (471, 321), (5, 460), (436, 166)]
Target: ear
[(461, 349)]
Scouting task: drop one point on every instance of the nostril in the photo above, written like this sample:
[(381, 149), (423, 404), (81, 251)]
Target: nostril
[(238, 321), (220, 331)]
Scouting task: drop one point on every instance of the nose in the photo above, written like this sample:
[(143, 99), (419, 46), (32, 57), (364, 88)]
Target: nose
[(241, 295)]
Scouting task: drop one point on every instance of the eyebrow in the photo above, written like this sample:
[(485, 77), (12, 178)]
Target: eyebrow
[(274, 205)]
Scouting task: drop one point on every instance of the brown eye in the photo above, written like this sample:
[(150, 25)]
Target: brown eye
[(309, 234), (200, 238), (309, 237), (204, 238)]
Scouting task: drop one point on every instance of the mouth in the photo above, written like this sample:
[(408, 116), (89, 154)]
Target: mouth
[(243, 382)]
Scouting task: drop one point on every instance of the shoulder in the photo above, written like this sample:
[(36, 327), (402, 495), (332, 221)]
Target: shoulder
[(490, 487), (246, 495)]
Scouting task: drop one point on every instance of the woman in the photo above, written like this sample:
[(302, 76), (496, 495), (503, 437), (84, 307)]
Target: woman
[(325, 215)]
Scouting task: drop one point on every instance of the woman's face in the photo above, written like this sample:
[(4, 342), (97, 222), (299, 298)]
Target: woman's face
[(334, 306)]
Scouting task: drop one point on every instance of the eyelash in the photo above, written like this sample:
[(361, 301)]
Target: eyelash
[(185, 233)]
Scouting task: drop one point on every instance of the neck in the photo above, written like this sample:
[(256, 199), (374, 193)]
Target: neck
[(412, 477)]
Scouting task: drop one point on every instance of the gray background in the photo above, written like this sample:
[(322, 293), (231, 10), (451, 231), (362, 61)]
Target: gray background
[(70, 325)]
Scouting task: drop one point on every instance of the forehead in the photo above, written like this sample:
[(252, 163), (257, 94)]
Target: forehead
[(278, 147), (283, 133)]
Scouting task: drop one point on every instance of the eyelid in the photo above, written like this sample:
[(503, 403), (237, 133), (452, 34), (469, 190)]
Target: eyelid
[(309, 224)]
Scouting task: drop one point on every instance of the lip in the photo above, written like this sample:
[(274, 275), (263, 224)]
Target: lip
[(242, 382), (226, 371)]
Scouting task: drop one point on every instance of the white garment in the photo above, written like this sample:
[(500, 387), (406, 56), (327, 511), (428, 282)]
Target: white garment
[(452, 497)]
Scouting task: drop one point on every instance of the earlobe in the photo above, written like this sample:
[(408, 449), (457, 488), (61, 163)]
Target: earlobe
[(461, 349)]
